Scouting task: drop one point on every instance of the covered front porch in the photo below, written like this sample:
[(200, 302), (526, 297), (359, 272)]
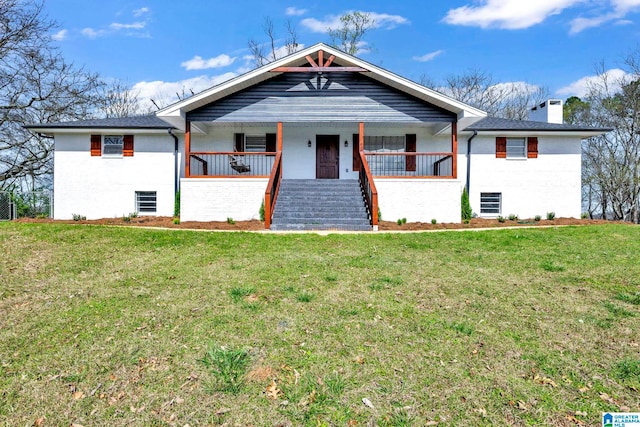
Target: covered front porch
[(231, 169)]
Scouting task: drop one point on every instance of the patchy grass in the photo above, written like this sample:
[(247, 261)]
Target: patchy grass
[(111, 326)]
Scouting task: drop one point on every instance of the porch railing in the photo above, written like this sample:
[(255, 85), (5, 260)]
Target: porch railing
[(369, 189), (231, 164), (271, 194), (423, 165)]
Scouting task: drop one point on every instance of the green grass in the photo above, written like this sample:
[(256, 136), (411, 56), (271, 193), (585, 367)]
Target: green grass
[(113, 326)]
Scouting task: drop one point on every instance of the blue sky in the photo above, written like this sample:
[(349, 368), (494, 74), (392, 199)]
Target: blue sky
[(161, 46)]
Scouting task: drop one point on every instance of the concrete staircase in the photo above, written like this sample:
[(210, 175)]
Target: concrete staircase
[(320, 204)]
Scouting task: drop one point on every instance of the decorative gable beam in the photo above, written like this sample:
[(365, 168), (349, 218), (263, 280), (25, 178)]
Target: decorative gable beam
[(321, 66)]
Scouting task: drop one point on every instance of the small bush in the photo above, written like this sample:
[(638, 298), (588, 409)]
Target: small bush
[(78, 217), (537, 218), (176, 205), (230, 220), (584, 215), (466, 221), (551, 215), (379, 214), (513, 217), (501, 219), (133, 215), (176, 221), (401, 221), (126, 218), (228, 367), (465, 205), (261, 211), (433, 221)]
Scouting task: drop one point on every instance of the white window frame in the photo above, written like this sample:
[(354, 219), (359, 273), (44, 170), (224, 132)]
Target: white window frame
[(488, 202), (147, 202), (516, 148), (114, 142)]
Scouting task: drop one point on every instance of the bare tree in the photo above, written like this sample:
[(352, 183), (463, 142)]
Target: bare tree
[(478, 89), (353, 27), (266, 52), (36, 86), (117, 99), (611, 162)]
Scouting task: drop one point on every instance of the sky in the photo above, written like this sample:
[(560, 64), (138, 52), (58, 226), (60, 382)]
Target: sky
[(160, 47)]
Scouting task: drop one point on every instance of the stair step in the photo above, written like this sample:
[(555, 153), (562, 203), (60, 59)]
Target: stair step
[(320, 205)]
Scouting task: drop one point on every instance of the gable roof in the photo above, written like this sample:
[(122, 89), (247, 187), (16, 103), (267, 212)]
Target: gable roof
[(175, 113)]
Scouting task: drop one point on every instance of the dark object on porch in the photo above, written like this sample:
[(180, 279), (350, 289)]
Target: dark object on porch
[(238, 165)]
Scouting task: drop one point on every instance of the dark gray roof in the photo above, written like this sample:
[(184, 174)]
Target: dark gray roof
[(497, 124), (135, 122)]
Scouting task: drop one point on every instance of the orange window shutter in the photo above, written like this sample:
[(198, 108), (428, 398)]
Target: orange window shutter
[(410, 148), (127, 146), (532, 147), (501, 147), (96, 145)]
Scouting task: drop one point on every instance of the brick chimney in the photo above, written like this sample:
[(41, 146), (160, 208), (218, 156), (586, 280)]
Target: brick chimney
[(549, 111)]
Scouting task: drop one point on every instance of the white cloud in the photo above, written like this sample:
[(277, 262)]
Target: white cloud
[(380, 20), (294, 11), (199, 63), (620, 9), (583, 86), (507, 14), (139, 12), (428, 57), (133, 26), (165, 93), (60, 35), (92, 33)]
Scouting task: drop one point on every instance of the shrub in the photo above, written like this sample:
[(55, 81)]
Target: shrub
[(176, 205), (230, 220), (126, 218), (176, 221), (501, 219), (78, 217), (401, 221), (513, 217), (584, 215), (465, 205), (228, 367), (466, 221), (551, 215), (433, 221), (133, 215), (261, 211), (537, 218), (379, 214)]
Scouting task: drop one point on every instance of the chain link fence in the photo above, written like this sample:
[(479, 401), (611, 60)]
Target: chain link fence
[(30, 204)]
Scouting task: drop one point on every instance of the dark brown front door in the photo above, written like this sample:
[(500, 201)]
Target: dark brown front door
[(327, 158)]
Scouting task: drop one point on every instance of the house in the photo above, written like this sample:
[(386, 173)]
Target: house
[(327, 119)]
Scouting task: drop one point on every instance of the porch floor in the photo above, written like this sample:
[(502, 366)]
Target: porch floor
[(320, 204)]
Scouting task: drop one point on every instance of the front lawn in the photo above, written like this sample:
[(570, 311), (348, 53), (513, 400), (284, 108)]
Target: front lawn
[(113, 326)]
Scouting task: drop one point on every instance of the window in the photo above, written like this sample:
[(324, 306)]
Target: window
[(146, 201), (490, 203), (516, 148), (386, 165), (112, 145), (384, 144), (255, 143)]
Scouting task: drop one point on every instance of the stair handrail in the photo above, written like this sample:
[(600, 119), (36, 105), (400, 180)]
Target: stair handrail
[(369, 189), (273, 186)]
